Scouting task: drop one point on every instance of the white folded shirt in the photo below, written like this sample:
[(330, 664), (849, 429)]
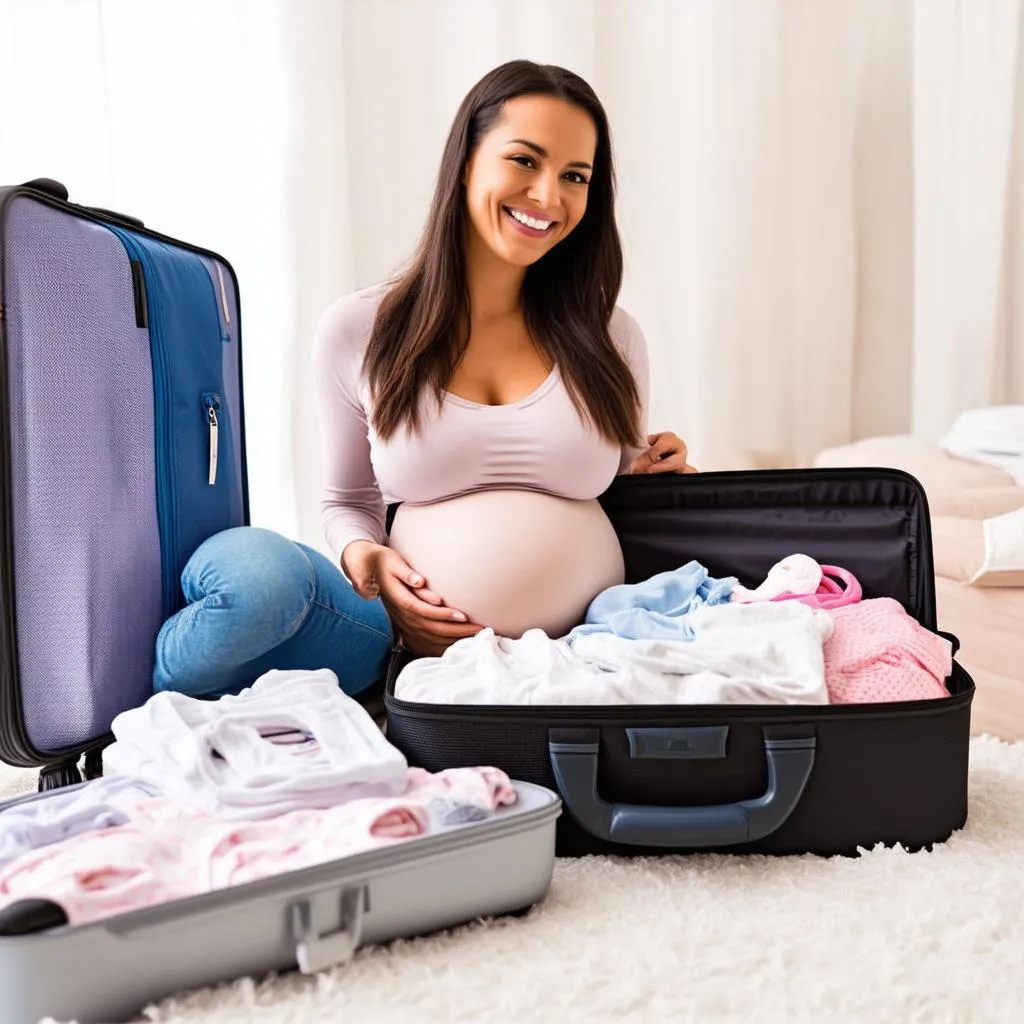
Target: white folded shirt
[(292, 740), (763, 653)]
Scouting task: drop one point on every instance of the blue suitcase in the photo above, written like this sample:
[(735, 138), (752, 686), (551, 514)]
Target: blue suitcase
[(122, 448)]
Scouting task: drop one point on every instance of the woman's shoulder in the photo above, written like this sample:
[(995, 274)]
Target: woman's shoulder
[(345, 326), (625, 331)]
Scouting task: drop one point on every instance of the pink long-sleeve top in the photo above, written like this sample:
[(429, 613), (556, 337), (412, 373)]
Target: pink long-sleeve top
[(539, 443)]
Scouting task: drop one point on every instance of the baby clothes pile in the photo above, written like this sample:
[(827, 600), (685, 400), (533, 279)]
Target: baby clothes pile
[(289, 773), (805, 635)]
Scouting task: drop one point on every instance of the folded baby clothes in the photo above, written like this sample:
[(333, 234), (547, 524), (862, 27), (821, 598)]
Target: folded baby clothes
[(110, 871), (168, 850), (292, 740), (460, 795), (757, 653), (739, 654), (879, 653), (491, 669), (656, 608), (52, 817), (248, 851), (800, 578)]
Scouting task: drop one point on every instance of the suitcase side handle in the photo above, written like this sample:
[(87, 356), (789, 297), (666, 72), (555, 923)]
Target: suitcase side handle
[(575, 768), (58, 190)]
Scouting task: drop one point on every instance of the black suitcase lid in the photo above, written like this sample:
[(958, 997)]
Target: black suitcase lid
[(872, 521)]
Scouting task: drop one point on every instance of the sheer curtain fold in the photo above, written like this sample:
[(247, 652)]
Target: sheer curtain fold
[(821, 202)]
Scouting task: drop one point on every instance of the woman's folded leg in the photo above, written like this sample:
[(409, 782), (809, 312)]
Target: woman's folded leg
[(259, 601)]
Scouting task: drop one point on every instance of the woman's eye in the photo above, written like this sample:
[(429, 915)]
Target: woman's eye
[(576, 178), (523, 161)]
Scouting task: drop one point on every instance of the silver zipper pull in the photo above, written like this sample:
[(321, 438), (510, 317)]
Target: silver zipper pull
[(211, 415)]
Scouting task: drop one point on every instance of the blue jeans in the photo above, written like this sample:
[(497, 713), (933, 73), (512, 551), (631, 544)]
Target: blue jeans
[(258, 601)]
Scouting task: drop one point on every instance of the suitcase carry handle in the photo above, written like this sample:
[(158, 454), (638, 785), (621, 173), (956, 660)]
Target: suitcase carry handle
[(59, 191), (575, 767), (315, 952)]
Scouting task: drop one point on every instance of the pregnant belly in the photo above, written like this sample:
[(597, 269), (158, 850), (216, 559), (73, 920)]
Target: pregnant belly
[(512, 560)]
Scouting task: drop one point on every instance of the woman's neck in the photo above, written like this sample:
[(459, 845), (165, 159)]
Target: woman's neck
[(494, 285)]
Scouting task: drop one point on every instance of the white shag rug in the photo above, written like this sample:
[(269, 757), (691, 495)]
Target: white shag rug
[(886, 937)]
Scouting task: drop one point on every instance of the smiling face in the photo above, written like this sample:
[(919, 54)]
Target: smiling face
[(527, 180)]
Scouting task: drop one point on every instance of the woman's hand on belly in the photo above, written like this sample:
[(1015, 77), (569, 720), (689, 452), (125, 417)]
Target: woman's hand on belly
[(419, 617)]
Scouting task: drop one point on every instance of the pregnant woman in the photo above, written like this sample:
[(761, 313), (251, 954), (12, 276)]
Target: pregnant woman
[(491, 393)]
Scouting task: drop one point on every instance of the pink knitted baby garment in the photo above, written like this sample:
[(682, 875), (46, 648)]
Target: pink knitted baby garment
[(879, 653)]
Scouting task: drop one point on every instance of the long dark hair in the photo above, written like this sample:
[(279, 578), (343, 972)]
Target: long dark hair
[(421, 327)]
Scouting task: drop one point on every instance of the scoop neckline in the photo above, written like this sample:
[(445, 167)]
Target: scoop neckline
[(538, 393)]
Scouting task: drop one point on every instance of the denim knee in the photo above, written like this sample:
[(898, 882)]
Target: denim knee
[(260, 576)]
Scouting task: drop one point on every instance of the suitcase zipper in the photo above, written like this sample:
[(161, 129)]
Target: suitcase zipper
[(167, 510), (211, 403), (223, 295)]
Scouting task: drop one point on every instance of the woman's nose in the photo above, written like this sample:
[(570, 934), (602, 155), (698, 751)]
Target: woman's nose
[(544, 191)]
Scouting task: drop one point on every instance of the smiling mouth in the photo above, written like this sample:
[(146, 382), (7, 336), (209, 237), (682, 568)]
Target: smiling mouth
[(535, 227)]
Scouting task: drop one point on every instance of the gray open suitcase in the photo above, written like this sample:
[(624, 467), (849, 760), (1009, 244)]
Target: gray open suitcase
[(122, 434), (106, 971)]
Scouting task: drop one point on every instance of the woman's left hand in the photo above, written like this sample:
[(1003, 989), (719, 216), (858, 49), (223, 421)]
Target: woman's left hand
[(666, 454)]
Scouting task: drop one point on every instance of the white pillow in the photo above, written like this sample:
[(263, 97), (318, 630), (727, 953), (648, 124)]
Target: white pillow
[(1003, 563), (990, 434)]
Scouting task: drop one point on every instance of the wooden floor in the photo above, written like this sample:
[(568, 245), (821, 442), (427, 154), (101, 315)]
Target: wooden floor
[(989, 622), (998, 708)]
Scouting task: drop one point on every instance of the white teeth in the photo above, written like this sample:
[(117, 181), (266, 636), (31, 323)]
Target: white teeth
[(531, 222)]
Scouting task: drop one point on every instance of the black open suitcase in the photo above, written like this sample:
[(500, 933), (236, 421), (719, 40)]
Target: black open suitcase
[(773, 779)]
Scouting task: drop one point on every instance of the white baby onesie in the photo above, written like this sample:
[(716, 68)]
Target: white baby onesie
[(761, 653), (292, 740)]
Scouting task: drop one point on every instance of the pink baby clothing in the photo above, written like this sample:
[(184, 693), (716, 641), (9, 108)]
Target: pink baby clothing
[(251, 850), (170, 849), (794, 574), (459, 795), (800, 578), (97, 874), (838, 588), (879, 653), (44, 819), (462, 446)]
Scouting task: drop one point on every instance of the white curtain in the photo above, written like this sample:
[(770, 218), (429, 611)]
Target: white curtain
[(821, 201)]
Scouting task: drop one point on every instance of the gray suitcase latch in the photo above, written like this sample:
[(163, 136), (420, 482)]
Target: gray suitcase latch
[(318, 952)]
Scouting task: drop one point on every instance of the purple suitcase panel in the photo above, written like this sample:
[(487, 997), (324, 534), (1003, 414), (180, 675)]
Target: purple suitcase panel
[(86, 545)]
